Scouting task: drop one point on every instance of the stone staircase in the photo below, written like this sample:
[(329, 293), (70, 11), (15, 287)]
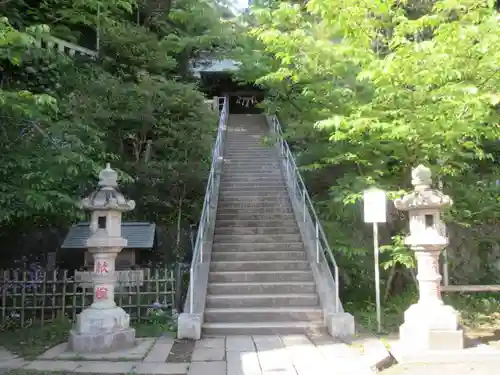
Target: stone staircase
[(260, 281)]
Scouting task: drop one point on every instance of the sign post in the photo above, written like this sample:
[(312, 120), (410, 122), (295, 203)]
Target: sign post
[(375, 212)]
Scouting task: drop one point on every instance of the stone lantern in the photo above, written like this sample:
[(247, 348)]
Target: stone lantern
[(428, 324), (104, 327)]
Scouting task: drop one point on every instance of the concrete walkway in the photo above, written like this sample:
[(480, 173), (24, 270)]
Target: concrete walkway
[(232, 355)]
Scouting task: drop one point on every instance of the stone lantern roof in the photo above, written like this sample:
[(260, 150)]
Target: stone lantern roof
[(423, 196), (107, 197)]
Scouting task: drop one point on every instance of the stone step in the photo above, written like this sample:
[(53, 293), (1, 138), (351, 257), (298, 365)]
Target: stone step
[(260, 276), (221, 223), (254, 193), (271, 209), (243, 173), (254, 216), (246, 134), (265, 195), (256, 159), (249, 166), (299, 265), (251, 150), (261, 170), (261, 288), (255, 230), (249, 163), (253, 256), (256, 179), (262, 300), (241, 202), (269, 183), (257, 246), (249, 185), (244, 153), (252, 145), (256, 206), (265, 328), (258, 238), (261, 314), (252, 190)]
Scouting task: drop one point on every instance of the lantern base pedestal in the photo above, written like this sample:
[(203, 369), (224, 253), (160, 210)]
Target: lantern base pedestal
[(429, 327), (102, 331)]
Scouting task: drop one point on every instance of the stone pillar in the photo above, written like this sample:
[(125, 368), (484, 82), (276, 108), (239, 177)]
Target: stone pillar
[(429, 324), (103, 327)]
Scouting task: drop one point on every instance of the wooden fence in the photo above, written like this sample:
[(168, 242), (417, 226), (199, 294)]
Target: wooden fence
[(40, 296)]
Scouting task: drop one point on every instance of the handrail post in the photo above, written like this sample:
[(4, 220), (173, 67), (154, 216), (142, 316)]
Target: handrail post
[(317, 242), (304, 205), (191, 288), (337, 289)]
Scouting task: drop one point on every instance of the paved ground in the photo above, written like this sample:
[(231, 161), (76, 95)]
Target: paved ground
[(236, 355), (444, 369)]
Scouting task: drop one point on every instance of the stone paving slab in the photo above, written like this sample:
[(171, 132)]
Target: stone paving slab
[(40, 365), (161, 368), (160, 350), (105, 367), (138, 352), (207, 368), (444, 369)]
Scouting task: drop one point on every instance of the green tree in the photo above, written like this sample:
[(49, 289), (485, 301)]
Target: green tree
[(376, 87)]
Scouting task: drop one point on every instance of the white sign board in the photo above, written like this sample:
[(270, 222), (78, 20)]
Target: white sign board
[(375, 206)]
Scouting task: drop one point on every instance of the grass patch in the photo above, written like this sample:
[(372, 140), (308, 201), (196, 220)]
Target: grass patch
[(153, 330), (31, 341)]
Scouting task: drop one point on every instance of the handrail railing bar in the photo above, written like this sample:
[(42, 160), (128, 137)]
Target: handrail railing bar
[(308, 207), (308, 198), (205, 212)]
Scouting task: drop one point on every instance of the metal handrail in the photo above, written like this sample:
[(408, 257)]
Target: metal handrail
[(210, 193), (310, 218)]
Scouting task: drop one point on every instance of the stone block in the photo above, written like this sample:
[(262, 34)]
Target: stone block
[(341, 325), (189, 326), (102, 331), (109, 320), (405, 354), (135, 353), (431, 339), (126, 278), (101, 342)]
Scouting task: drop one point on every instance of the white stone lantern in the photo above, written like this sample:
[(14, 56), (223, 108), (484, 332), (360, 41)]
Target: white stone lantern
[(428, 324), (104, 327)]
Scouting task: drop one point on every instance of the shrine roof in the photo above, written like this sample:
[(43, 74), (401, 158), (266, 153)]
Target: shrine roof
[(138, 234), (214, 66)]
